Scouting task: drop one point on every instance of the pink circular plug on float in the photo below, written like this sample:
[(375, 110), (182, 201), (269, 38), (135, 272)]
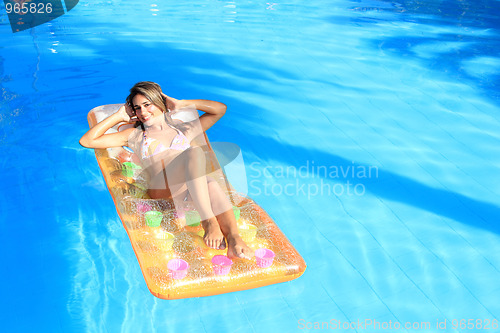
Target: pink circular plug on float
[(264, 257), (178, 268), (221, 264)]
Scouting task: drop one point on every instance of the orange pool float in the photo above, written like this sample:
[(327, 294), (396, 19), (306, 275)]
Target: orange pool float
[(173, 258)]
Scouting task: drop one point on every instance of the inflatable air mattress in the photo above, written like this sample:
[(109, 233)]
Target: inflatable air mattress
[(169, 244)]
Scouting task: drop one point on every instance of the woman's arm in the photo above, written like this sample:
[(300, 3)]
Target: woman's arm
[(213, 110), (95, 137)]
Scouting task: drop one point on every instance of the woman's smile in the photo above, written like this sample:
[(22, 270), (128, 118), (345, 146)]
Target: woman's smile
[(144, 118), (144, 109)]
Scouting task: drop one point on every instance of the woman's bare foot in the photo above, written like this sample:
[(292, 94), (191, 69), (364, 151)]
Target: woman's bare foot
[(236, 248), (213, 235)]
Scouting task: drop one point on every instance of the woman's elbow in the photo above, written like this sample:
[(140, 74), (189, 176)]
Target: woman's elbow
[(84, 142), (222, 109)]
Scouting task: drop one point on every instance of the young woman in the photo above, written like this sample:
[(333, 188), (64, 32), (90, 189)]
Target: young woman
[(177, 169)]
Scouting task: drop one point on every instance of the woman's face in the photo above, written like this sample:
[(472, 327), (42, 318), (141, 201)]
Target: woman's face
[(144, 109)]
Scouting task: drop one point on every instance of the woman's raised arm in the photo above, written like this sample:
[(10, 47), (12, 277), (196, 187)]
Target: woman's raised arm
[(213, 110), (95, 137)]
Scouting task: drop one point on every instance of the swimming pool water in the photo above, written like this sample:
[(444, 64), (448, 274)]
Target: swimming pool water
[(403, 93)]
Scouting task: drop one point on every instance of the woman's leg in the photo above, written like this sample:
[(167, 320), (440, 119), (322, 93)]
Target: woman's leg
[(209, 200), (189, 170), (236, 247), (196, 181)]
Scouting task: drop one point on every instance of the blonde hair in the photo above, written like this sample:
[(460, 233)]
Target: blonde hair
[(150, 90)]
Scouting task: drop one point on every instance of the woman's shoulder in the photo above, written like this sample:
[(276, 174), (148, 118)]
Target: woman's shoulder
[(132, 134)]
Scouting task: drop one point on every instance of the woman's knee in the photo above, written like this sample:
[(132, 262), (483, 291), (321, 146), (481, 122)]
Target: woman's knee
[(195, 157), (195, 153)]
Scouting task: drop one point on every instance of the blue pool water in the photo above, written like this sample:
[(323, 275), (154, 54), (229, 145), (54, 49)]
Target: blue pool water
[(369, 131)]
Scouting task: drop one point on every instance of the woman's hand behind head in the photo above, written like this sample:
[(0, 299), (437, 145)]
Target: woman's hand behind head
[(127, 113), (171, 103)]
